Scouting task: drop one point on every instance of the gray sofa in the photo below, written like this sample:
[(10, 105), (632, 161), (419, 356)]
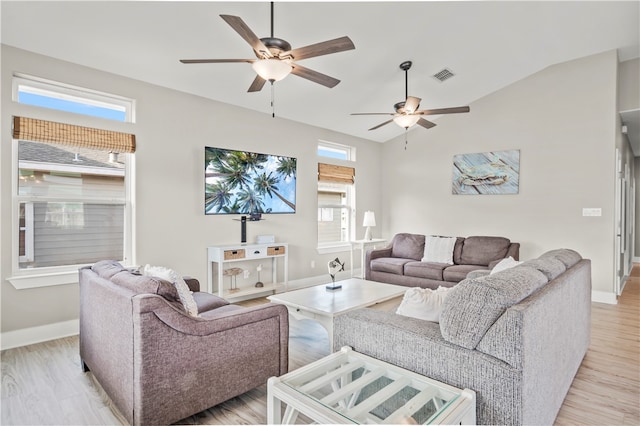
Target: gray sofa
[(516, 337), (157, 363), (400, 262)]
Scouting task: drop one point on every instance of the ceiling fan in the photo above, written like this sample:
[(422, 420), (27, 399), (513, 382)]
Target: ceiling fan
[(407, 113), (276, 58)]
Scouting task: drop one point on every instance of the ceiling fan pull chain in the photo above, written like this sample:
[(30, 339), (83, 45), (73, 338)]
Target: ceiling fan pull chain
[(406, 130), (273, 109)]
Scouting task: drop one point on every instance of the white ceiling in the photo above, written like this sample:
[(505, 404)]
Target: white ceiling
[(488, 45)]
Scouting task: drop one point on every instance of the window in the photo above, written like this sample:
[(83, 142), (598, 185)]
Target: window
[(35, 91), (336, 195), (336, 151), (333, 213), (72, 200)]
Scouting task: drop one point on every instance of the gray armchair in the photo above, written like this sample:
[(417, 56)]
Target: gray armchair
[(160, 365)]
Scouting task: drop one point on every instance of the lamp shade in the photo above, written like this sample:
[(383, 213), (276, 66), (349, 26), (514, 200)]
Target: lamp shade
[(406, 120), (272, 69), (369, 219)]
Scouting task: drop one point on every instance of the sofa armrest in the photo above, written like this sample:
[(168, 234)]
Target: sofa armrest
[(514, 251), (381, 252), (374, 254)]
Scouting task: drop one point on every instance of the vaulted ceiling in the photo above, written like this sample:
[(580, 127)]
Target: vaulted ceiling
[(487, 45)]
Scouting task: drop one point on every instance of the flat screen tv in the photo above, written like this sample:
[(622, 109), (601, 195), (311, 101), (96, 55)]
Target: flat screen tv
[(248, 183)]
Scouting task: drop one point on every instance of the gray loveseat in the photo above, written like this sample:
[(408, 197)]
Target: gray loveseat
[(516, 337), (157, 363), (400, 262)]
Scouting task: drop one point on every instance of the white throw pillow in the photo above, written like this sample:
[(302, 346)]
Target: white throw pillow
[(184, 293), (423, 303), (439, 249), (506, 263)]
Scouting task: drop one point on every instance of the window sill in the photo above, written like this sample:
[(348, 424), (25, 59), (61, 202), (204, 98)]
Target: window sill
[(24, 282), (337, 248)]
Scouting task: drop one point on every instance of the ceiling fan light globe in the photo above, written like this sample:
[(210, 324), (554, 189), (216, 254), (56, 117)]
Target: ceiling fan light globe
[(272, 69), (406, 120)]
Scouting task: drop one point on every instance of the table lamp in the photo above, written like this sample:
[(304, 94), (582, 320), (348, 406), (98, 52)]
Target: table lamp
[(369, 221)]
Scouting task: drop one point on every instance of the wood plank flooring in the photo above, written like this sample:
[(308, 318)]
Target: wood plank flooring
[(606, 390), (43, 384)]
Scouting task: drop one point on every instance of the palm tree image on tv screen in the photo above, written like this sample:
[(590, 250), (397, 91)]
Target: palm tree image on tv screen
[(241, 182)]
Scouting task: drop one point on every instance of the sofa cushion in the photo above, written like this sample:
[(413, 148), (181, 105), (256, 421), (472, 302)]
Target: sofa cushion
[(482, 250), (393, 265), (457, 251), (140, 284), (184, 293), (408, 246), (423, 303), (107, 268), (424, 270), (208, 301), (567, 256), (549, 266), (473, 305), (504, 264), (439, 249), (457, 273)]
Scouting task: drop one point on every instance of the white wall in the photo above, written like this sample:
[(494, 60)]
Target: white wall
[(171, 131), (562, 119), (629, 75)]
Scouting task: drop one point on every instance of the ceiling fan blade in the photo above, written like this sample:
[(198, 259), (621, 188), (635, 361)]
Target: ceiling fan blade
[(426, 123), (411, 104), (314, 76), (214, 61), (453, 110), (372, 113), (245, 32), (257, 85), (382, 124), (323, 48)]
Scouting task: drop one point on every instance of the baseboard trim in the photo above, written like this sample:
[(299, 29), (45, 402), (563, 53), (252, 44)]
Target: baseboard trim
[(604, 297), (42, 333)]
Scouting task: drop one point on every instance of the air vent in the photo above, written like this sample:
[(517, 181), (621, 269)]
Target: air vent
[(444, 74)]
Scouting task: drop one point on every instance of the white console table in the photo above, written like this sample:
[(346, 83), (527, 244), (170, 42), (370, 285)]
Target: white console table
[(220, 256), (363, 246)]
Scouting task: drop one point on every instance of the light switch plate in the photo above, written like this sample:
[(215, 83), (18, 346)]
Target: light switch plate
[(590, 211)]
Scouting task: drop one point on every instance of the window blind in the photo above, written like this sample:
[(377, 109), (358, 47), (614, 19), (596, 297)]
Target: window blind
[(32, 129), (338, 174)]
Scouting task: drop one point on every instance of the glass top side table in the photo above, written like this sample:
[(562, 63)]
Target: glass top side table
[(351, 388)]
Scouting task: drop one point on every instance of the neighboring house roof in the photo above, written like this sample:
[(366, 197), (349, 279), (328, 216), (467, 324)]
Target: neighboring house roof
[(67, 155)]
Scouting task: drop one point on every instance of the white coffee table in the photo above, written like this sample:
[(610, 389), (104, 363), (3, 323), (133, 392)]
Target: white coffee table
[(347, 387), (322, 305)]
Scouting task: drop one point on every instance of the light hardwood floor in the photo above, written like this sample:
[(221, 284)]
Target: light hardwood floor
[(43, 384)]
